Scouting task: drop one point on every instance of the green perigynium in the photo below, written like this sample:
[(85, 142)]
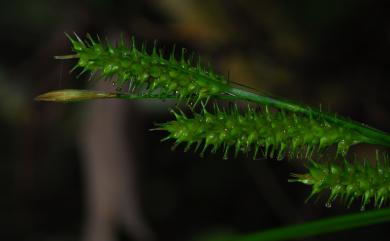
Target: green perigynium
[(132, 67), (273, 133), (349, 181)]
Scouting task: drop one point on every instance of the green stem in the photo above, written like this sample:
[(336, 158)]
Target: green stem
[(374, 136)]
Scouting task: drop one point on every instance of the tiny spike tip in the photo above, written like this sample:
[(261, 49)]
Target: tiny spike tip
[(72, 95)]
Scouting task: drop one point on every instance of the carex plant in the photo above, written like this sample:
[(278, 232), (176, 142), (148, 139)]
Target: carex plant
[(268, 127)]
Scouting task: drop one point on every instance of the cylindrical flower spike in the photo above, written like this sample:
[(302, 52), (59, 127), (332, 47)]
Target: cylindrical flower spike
[(349, 182), (133, 67), (273, 133)]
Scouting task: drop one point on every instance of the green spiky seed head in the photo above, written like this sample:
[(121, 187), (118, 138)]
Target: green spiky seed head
[(129, 66), (273, 133), (349, 182)]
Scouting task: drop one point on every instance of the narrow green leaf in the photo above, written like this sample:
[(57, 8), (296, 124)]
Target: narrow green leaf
[(318, 227)]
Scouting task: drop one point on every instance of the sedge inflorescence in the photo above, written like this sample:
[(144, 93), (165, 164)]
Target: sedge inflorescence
[(349, 181), (274, 133), (289, 129), (135, 68)]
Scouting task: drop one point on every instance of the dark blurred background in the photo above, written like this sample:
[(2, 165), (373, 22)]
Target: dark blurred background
[(94, 172)]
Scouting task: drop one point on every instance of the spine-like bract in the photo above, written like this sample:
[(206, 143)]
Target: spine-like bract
[(152, 72), (370, 183), (272, 133)]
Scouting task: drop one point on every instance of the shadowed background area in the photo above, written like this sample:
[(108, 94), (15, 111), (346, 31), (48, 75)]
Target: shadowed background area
[(94, 172)]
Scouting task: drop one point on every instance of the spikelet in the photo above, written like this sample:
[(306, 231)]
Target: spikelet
[(273, 133), (349, 182), (133, 67)]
